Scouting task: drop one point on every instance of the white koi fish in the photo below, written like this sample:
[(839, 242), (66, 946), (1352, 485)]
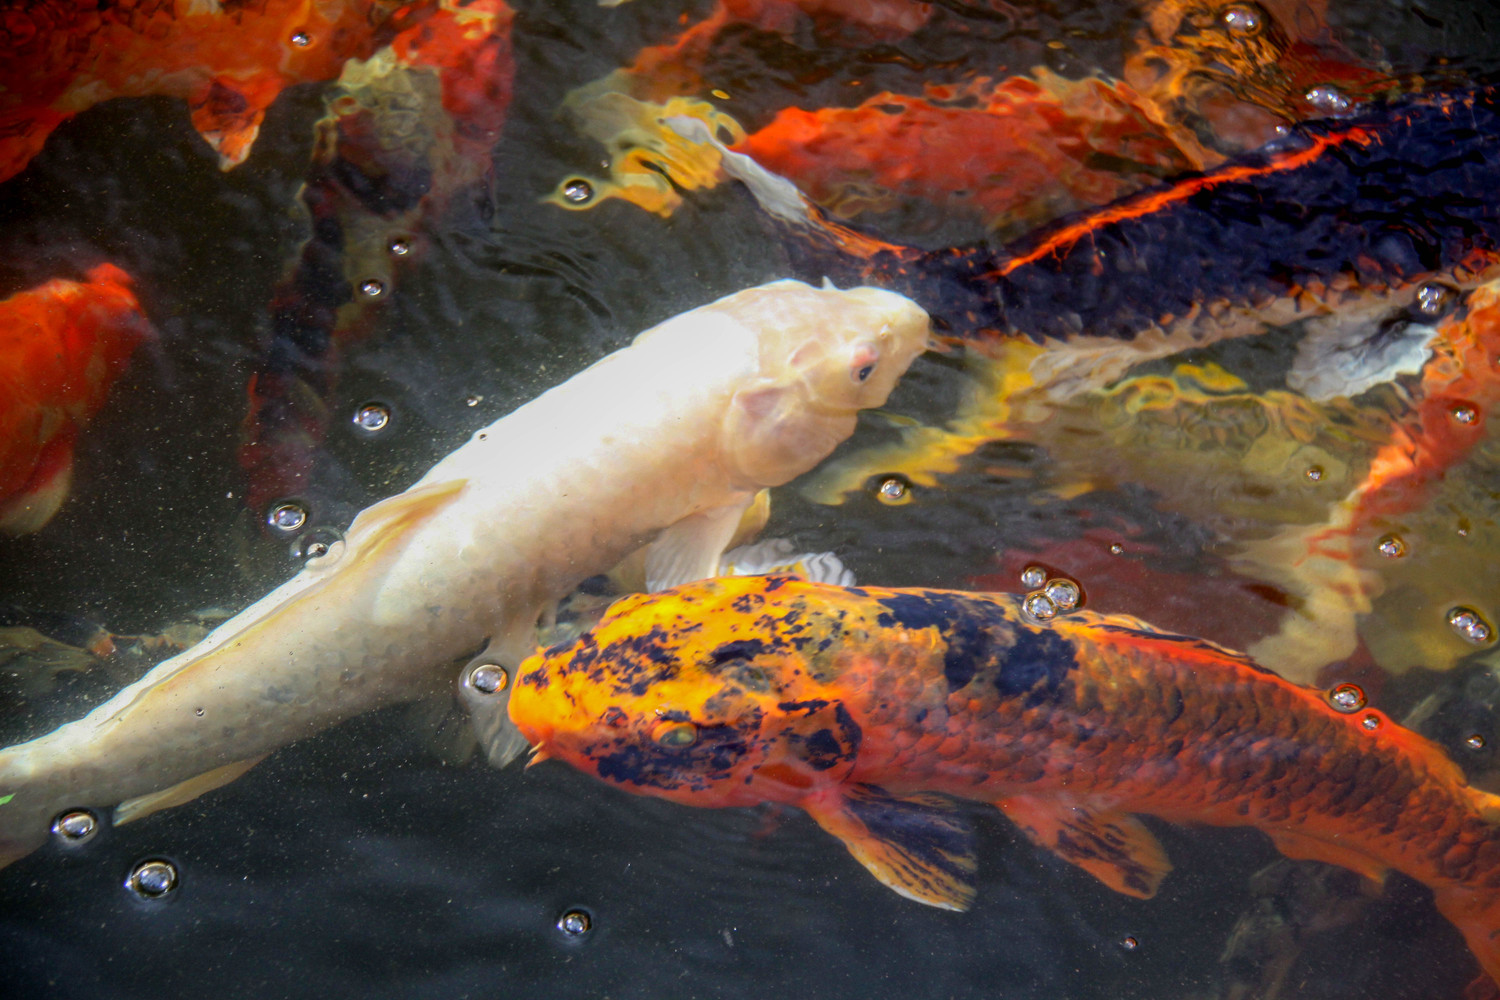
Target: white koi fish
[(663, 444)]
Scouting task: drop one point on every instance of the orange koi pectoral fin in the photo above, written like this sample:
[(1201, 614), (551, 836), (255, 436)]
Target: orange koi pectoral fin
[(1301, 847), (918, 845), (1115, 848)]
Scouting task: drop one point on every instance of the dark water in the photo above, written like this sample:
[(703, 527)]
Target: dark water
[(355, 863)]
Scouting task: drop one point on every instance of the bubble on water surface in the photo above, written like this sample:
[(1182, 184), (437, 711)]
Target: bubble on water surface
[(301, 39), (894, 491), (1064, 594), (1244, 19), (487, 678), (372, 288), (1033, 577), (319, 543), (1465, 414), (372, 417), (578, 191), (399, 247), (473, 400), (1475, 742), (1391, 546), (287, 517), (1435, 298), (152, 879), (575, 923), (1328, 99), (1470, 625), (1314, 473), (1370, 722), (1039, 606), (1117, 549), (75, 826), (1347, 698), (1129, 943)]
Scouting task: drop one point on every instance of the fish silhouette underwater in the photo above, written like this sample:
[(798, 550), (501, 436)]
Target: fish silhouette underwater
[(873, 709), (664, 444)]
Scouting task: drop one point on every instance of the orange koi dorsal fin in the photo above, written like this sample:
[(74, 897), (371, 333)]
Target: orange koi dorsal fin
[(1114, 847), (1301, 847), (918, 845)]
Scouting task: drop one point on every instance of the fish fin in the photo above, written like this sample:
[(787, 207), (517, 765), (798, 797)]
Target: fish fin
[(1114, 847), (690, 549), (1340, 357), (30, 508), (390, 517), (489, 711), (1301, 847), (445, 726), (184, 791), (778, 557), (629, 576), (1473, 908), (918, 845)]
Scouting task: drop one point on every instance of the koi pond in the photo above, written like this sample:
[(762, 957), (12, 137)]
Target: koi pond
[(1214, 302)]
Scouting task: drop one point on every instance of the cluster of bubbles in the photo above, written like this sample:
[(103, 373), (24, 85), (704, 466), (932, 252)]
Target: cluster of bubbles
[(1470, 624), (1048, 597)]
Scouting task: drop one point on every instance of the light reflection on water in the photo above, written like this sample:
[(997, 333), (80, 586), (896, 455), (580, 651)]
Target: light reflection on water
[(354, 862)]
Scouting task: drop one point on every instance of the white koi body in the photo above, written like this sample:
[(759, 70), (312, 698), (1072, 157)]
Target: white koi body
[(664, 442)]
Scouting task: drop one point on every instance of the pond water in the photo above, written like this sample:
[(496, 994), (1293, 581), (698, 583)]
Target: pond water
[(361, 861)]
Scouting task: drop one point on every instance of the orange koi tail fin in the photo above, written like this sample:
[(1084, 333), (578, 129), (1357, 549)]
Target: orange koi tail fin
[(1474, 905)]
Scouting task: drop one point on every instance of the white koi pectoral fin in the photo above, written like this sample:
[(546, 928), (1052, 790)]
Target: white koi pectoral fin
[(486, 695), (920, 846), (690, 549), (1114, 847), (778, 557), (184, 791)]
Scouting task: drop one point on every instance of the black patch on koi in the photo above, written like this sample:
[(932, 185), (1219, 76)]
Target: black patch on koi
[(739, 649), (965, 625), (717, 751), (747, 603), (1035, 666)]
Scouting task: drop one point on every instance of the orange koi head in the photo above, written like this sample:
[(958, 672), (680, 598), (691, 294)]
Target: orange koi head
[(718, 693)]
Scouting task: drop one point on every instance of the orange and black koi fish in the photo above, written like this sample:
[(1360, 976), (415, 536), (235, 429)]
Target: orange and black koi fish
[(872, 709), (1339, 212)]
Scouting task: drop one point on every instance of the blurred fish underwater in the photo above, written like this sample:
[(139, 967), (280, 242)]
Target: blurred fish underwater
[(1217, 291)]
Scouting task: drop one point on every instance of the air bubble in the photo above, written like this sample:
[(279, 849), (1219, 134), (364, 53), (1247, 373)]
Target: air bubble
[(1117, 549), (1470, 625), (372, 288), (75, 826), (1475, 742), (1391, 546), (578, 191), (1435, 298), (319, 543), (1033, 577), (473, 400), (399, 247), (894, 491), (1314, 473), (1244, 19), (1465, 414), (152, 879), (1371, 722), (1039, 606), (1329, 100), (1063, 594), (488, 678), (575, 923), (372, 417), (1347, 698), (301, 39), (287, 517), (1129, 943)]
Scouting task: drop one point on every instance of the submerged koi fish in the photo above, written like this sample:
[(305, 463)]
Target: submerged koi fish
[(871, 709), (664, 444), (62, 345)]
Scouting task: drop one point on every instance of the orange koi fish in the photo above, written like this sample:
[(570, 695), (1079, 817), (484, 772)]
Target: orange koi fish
[(872, 709), (229, 61), (62, 345)]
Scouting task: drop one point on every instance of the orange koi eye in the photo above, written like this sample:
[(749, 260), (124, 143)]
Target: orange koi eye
[(674, 735)]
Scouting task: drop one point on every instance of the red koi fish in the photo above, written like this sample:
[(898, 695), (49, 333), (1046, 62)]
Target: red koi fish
[(229, 62), (872, 709), (62, 345)]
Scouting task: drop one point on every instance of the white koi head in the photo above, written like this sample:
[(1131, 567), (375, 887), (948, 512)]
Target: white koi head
[(825, 354)]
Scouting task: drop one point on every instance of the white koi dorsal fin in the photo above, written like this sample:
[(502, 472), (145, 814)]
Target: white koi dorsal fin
[(184, 791), (690, 549), (1114, 847), (920, 846), (382, 523)]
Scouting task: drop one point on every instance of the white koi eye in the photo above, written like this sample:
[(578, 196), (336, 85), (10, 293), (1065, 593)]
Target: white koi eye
[(862, 363)]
